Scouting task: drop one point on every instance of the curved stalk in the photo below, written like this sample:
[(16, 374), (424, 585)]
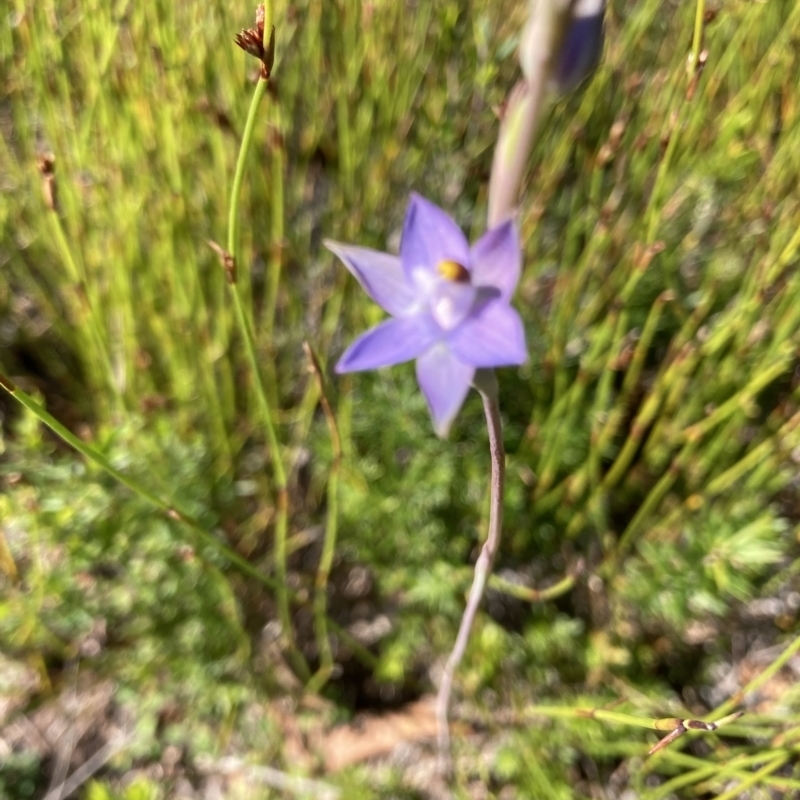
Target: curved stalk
[(486, 384), (244, 322)]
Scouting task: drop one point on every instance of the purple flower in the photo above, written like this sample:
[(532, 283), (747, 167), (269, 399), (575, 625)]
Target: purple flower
[(449, 305)]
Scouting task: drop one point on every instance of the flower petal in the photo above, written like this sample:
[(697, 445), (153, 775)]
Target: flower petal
[(451, 303), (380, 275), (444, 381), (494, 337), (496, 259), (391, 342), (429, 237)]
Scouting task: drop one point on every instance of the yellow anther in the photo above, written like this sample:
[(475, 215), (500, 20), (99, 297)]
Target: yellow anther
[(453, 271)]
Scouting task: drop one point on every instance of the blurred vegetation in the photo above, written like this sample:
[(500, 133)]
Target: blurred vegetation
[(652, 439)]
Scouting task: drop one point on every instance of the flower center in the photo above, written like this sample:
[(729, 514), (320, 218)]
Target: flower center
[(453, 271)]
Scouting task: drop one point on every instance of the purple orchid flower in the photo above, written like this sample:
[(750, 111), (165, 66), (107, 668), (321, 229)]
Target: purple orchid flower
[(449, 305)]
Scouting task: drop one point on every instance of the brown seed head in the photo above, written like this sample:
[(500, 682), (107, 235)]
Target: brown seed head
[(251, 40)]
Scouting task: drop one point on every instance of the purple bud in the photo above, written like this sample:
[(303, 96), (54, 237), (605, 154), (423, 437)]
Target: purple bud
[(560, 46), (581, 46)]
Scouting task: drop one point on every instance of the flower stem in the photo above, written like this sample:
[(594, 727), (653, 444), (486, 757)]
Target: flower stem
[(486, 384), (269, 19), (238, 178), (246, 330), (322, 675), (514, 144)]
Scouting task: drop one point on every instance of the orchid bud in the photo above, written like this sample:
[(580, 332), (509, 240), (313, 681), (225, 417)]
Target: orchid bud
[(582, 44), (562, 39), (560, 46), (541, 37)]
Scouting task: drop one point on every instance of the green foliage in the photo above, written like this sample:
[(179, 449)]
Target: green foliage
[(20, 776), (716, 560), (101, 576), (139, 789), (651, 438)]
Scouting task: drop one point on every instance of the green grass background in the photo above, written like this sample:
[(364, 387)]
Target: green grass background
[(652, 439)]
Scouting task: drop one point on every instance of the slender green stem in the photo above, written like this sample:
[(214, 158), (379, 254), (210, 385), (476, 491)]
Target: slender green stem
[(246, 330), (737, 791), (619, 718), (261, 398), (238, 177), (531, 595), (741, 398), (321, 584), (758, 455), (269, 19), (601, 714), (760, 679), (714, 771), (697, 38), (275, 260), (652, 213), (329, 542), (282, 509)]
